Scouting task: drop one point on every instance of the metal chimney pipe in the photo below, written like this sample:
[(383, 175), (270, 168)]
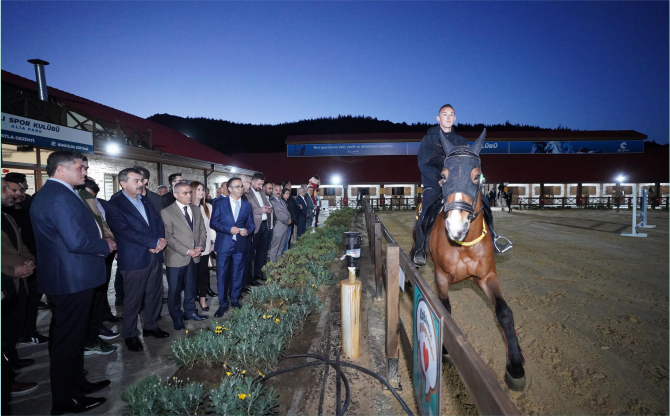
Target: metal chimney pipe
[(41, 78)]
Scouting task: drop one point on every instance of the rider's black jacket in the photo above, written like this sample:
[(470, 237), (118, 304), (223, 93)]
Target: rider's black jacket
[(431, 154)]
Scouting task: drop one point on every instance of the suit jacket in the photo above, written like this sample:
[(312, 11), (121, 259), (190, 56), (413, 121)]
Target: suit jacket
[(70, 250), (222, 221), (14, 255), (293, 209), (281, 210), (257, 209), (306, 203), (180, 237), (134, 237)]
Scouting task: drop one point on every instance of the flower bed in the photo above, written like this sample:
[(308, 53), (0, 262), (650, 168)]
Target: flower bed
[(252, 340)]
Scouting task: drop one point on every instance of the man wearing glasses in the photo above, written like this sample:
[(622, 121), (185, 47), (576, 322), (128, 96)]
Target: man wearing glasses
[(233, 221)]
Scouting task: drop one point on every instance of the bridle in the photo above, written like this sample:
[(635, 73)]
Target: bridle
[(465, 151)]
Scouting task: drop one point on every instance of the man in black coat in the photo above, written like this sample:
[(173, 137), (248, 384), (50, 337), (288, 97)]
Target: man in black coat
[(155, 199), (431, 161), (168, 198)]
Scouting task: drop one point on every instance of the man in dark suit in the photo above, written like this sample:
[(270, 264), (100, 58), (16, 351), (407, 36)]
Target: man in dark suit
[(71, 255), (304, 212), (155, 199), (186, 236), (233, 221), (168, 198), (140, 239)]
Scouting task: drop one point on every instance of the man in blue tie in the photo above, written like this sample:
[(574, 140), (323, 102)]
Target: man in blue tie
[(233, 221)]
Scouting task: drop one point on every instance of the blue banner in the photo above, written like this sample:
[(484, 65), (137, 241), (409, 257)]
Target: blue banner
[(497, 147)]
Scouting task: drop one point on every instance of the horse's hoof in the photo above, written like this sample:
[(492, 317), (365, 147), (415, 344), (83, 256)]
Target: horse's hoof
[(446, 359), (516, 384)]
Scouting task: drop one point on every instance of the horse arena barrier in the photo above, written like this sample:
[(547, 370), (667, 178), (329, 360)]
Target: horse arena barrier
[(642, 215), (479, 380)]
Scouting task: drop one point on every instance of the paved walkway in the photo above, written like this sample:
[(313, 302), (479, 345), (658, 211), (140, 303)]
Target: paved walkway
[(122, 367)]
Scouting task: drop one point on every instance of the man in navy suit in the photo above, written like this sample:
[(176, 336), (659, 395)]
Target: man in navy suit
[(71, 255), (140, 237), (233, 221)]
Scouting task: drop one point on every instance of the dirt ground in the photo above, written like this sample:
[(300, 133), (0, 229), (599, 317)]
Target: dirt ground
[(590, 307)]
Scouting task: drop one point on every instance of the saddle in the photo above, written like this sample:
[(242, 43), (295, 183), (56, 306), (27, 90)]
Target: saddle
[(430, 217)]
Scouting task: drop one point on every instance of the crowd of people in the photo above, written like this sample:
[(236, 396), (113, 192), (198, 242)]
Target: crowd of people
[(61, 243)]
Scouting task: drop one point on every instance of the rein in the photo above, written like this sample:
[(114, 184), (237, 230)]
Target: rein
[(476, 240), (464, 206)]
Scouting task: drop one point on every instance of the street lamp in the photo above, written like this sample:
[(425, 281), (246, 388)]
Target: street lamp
[(336, 179), (113, 149)]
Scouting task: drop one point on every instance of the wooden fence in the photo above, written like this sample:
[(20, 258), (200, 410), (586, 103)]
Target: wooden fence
[(481, 383)]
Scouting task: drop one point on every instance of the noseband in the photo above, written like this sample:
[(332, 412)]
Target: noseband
[(464, 151)]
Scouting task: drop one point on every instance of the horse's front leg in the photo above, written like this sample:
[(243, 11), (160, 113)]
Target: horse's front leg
[(515, 377)]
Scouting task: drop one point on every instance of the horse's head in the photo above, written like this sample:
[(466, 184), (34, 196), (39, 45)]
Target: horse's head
[(462, 187)]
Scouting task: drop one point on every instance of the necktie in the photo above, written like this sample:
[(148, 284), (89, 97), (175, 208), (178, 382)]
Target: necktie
[(188, 218)]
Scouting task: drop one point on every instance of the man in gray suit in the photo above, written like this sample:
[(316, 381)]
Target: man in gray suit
[(282, 221), (186, 236), (257, 249)]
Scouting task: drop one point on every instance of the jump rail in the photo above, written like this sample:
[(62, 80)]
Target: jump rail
[(489, 397)]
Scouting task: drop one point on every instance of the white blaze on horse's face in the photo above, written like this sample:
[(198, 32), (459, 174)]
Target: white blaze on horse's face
[(457, 223)]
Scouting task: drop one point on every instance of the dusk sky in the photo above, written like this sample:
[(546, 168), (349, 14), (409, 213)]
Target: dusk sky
[(583, 65)]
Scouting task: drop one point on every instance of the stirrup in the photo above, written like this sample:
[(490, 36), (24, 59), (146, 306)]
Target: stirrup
[(505, 245), (419, 257)]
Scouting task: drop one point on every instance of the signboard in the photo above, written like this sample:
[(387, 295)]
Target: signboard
[(499, 147), (427, 375), (26, 131)]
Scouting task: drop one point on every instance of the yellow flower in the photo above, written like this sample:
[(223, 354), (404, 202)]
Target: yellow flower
[(313, 285), (277, 320), (259, 372), (187, 331), (225, 329), (242, 396), (244, 371), (228, 373), (281, 303), (284, 311)]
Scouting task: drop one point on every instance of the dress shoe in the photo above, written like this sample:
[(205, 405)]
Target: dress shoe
[(204, 308), (211, 293), (236, 305), (179, 326), (80, 405), (106, 333), (219, 312), (156, 333), (35, 338), (23, 362), (93, 387), (194, 316), (134, 344), (19, 389)]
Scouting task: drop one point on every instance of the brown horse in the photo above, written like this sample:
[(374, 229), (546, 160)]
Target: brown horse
[(462, 249)]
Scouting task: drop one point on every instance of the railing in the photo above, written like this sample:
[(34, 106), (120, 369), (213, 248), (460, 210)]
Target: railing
[(481, 383), (21, 105), (590, 202)]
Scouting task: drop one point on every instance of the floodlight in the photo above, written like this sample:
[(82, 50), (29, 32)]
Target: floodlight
[(336, 179), (113, 149)]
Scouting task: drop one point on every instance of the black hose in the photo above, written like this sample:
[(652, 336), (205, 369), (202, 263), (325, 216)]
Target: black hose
[(346, 384), (347, 389), (338, 388)]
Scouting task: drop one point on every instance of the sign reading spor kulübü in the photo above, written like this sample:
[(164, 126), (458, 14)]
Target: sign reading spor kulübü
[(22, 130)]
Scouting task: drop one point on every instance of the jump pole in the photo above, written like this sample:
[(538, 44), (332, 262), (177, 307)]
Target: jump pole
[(643, 223), (635, 225)]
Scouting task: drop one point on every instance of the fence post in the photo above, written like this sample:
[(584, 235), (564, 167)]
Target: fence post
[(392, 312), (378, 260)]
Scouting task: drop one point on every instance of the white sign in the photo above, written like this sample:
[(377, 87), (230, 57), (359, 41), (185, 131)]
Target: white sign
[(401, 279), (22, 130)]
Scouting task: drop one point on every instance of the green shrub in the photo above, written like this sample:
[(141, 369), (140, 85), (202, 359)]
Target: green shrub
[(341, 217), (239, 396), (151, 397)]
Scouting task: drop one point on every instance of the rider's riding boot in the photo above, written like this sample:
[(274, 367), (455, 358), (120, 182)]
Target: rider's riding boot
[(418, 254), (500, 244)]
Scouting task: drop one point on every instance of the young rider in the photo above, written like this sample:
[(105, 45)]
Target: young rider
[(431, 160)]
